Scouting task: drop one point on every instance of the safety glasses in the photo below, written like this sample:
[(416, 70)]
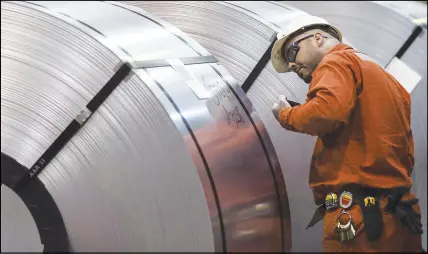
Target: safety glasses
[(290, 53)]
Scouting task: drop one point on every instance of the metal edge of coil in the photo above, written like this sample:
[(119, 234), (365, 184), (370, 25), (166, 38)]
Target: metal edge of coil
[(265, 151), (163, 62), (149, 64), (188, 61), (246, 86), (144, 65)]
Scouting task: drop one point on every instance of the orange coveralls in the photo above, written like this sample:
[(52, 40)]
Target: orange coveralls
[(361, 116)]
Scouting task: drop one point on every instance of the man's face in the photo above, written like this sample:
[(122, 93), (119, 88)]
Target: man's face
[(307, 57)]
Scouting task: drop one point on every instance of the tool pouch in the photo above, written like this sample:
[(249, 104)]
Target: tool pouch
[(372, 215)]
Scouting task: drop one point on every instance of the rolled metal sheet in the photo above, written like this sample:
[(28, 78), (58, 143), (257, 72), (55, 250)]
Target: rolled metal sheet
[(238, 34), (175, 159)]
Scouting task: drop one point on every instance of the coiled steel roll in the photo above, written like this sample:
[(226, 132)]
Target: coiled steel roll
[(174, 159), (238, 34)]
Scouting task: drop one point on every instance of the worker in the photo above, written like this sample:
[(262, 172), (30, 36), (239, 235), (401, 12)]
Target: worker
[(364, 154)]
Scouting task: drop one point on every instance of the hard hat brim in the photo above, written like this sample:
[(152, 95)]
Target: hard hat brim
[(278, 61)]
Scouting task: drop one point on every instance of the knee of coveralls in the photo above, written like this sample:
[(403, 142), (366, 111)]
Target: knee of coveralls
[(395, 236)]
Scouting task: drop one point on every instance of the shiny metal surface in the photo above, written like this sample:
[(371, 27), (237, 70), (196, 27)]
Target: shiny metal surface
[(238, 33), (18, 229), (155, 168), (123, 32), (221, 126), (414, 10)]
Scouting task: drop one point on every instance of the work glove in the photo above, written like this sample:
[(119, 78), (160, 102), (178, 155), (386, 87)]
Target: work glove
[(279, 105), (403, 210)]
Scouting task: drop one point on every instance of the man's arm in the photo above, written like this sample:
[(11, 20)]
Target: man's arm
[(333, 94)]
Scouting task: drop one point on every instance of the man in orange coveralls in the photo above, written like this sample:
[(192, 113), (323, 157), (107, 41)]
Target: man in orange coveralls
[(363, 157)]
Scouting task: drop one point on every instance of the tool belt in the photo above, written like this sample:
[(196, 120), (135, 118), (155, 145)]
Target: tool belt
[(368, 200)]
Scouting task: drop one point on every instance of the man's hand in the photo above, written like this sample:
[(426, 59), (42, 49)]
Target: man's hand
[(278, 106)]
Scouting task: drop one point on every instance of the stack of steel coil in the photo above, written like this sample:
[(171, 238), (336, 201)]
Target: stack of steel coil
[(165, 152)]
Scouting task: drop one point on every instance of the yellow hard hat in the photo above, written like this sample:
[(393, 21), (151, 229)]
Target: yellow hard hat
[(300, 23)]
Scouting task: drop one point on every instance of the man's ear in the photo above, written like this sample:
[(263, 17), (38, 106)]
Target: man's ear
[(319, 39)]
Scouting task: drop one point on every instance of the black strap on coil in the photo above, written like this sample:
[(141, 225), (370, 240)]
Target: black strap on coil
[(72, 128), (415, 33), (32, 191), (259, 67), (91, 107), (35, 196)]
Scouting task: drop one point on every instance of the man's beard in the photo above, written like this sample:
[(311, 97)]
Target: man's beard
[(307, 79)]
